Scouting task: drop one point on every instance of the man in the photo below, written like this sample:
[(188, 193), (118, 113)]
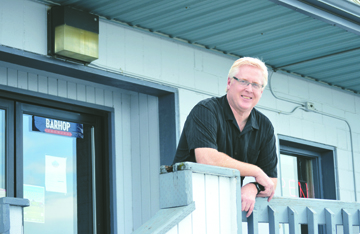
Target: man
[(229, 132)]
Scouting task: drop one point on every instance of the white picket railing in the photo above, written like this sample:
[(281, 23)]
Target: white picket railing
[(196, 198)]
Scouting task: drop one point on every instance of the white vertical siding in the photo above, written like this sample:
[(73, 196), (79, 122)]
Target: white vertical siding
[(145, 167), (136, 137)]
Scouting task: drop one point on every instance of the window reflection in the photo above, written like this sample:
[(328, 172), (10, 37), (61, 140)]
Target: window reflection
[(49, 167), (296, 176)]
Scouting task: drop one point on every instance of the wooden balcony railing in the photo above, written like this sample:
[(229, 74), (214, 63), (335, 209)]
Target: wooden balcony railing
[(196, 198)]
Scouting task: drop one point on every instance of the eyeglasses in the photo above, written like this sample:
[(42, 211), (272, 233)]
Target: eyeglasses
[(246, 83)]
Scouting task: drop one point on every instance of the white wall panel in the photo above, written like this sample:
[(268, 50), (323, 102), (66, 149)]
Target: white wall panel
[(152, 58), (154, 165), (124, 131), (52, 86), (71, 87), (62, 88), (80, 92), (12, 77), (144, 158), (108, 98), (136, 163), (22, 80), (99, 99), (134, 59), (23, 25), (145, 167), (3, 75), (43, 84), (90, 94), (33, 82)]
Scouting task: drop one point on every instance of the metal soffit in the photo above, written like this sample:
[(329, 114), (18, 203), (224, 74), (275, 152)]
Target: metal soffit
[(285, 35)]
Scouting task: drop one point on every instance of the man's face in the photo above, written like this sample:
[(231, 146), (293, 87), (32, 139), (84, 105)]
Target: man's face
[(242, 98)]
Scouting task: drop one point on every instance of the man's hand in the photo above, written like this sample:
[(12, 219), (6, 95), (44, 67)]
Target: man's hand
[(269, 185), (248, 195)]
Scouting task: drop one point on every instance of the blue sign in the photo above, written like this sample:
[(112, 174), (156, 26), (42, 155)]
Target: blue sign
[(57, 127)]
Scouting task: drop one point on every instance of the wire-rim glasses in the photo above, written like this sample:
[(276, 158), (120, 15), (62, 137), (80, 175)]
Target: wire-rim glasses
[(246, 83)]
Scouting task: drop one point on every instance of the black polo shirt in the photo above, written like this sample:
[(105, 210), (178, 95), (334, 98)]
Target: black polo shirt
[(211, 123)]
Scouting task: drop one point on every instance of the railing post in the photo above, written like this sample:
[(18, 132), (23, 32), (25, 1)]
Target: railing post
[(329, 222), (273, 221), (253, 223), (347, 221), (11, 214), (294, 226), (313, 226)]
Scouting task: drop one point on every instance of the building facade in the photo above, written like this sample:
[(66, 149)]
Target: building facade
[(132, 103)]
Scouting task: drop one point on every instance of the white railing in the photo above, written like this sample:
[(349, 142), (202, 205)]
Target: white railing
[(11, 215), (196, 198)]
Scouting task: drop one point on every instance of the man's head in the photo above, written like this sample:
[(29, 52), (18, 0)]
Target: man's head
[(252, 62), (246, 82)]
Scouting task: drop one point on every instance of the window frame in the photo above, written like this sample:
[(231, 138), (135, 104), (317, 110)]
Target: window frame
[(322, 156), (8, 106)]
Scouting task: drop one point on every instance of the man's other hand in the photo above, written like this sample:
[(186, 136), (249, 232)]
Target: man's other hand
[(248, 195)]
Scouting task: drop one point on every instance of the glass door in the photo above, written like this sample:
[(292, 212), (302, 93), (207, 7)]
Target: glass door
[(56, 170), (49, 176)]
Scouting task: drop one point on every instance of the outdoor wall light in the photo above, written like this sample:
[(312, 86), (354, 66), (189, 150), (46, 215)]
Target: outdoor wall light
[(73, 34)]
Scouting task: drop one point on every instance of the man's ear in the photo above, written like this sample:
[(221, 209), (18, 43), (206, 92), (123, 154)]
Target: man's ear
[(228, 83)]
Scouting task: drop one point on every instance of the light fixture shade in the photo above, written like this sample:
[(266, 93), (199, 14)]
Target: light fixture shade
[(73, 34)]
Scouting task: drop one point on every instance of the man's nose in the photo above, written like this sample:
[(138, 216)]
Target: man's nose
[(249, 87)]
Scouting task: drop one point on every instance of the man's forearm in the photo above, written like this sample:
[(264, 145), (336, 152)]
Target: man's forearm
[(213, 157)]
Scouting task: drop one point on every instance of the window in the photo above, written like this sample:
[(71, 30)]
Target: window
[(307, 170), (297, 178)]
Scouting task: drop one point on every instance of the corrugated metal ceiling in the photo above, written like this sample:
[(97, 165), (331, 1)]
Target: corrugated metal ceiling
[(283, 37)]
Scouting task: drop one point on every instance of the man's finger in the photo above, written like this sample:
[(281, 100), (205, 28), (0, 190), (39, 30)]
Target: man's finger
[(245, 206), (271, 196), (250, 211)]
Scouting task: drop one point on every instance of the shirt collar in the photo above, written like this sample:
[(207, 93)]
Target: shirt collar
[(229, 115)]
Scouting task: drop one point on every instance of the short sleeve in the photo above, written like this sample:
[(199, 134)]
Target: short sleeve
[(267, 159), (201, 128)]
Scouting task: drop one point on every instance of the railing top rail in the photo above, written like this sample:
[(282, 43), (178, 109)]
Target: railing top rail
[(15, 201), (201, 168)]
